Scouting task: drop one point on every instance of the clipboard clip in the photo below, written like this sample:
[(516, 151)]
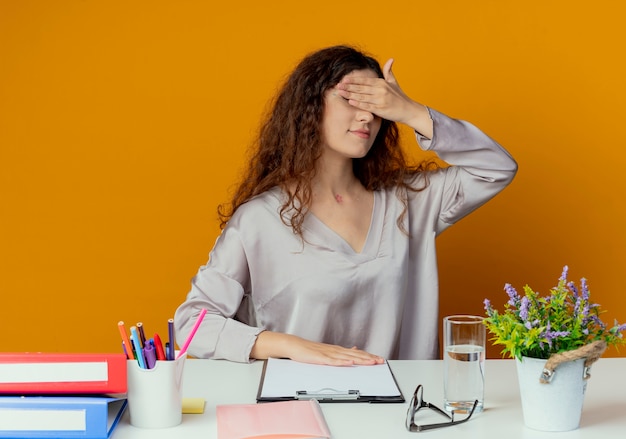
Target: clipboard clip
[(329, 394)]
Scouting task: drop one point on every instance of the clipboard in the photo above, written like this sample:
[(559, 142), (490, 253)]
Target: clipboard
[(286, 380)]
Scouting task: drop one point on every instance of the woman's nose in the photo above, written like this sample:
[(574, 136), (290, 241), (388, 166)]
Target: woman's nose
[(365, 116)]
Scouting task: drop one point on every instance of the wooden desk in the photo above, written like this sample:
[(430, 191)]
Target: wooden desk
[(221, 382)]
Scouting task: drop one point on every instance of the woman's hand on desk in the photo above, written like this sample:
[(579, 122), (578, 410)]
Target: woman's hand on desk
[(278, 345)]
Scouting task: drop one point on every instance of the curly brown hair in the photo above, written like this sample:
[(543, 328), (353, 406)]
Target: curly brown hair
[(290, 140)]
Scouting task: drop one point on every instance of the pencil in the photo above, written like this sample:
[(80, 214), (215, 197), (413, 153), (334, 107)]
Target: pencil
[(192, 333), (137, 343), (169, 353), (129, 350), (142, 334)]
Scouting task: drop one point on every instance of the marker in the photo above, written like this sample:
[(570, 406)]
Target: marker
[(170, 329), (196, 325), (132, 348), (134, 336), (142, 335), (129, 353), (158, 346), (150, 355)]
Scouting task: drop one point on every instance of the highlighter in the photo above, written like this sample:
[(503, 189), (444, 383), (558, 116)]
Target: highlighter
[(150, 354), (158, 346)]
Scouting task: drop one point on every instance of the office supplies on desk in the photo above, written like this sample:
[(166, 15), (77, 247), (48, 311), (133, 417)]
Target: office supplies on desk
[(170, 345), (193, 405), (136, 341), (150, 355), (286, 380), (158, 345), (59, 417), (134, 347), (128, 348), (155, 395), (142, 334), (285, 420), (43, 373), (196, 325)]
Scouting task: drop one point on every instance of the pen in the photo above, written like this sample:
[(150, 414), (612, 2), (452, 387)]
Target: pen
[(142, 335), (158, 346), (129, 353), (132, 348), (170, 329), (192, 333), (125, 351), (150, 355), (135, 339)]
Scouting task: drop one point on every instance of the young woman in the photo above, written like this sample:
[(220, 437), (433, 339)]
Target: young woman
[(327, 253)]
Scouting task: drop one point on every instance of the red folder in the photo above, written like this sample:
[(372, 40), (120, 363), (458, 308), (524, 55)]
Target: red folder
[(53, 373)]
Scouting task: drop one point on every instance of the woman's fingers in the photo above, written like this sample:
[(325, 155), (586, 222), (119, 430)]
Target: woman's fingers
[(322, 353)]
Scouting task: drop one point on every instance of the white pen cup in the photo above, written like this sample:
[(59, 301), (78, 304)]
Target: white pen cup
[(463, 363), (155, 395)]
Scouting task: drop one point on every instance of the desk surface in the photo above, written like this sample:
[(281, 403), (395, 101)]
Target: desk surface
[(221, 382)]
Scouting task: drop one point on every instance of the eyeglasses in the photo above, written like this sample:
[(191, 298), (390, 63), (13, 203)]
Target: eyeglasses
[(417, 403)]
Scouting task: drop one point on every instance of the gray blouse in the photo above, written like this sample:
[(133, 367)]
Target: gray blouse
[(384, 300)]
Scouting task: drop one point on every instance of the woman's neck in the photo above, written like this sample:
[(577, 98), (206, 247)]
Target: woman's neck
[(340, 187), (335, 179)]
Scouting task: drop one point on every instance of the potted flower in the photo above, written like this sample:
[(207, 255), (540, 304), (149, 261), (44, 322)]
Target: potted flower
[(560, 330)]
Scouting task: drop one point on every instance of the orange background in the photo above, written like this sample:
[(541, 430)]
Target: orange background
[(123, 124)]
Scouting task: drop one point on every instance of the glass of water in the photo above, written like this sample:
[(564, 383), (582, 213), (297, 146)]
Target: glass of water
[(463, 363)]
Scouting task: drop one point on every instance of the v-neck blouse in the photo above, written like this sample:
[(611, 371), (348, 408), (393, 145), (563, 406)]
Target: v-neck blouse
[(332, 239), (384, 299)]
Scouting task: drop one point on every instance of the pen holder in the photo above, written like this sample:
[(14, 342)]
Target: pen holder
[(155, 395)]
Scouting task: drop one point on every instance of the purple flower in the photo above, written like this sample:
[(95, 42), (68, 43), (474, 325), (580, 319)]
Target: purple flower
[(513, 296), (581, 310), (551, 335), (523, 309), (595, 319), (564, 274), (584, 288), (585, 312), (530, 325), (561, 320)]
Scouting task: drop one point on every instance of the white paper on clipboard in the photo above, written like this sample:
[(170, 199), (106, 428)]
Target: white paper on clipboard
[(285, 378)]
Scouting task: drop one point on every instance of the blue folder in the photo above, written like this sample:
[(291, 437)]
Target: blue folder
[(60, 417)]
